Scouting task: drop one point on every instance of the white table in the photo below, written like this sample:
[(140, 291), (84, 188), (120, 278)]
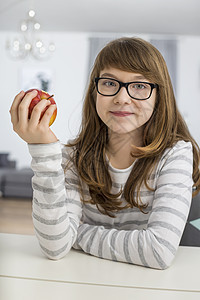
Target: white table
[(26, 274)]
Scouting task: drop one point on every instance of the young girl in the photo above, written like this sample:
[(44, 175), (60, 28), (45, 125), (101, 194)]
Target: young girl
[(122, 189)]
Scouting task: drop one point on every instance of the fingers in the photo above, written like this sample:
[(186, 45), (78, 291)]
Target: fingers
[(24, 107), (45, 121), (38, 112), (36, 129), (14, 107)]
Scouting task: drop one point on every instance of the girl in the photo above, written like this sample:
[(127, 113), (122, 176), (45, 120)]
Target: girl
[(122, 189)]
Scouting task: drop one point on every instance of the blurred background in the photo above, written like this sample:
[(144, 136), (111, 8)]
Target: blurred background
[(53, 47)]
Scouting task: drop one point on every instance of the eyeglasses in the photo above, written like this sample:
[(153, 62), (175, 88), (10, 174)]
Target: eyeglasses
[(137, 90)]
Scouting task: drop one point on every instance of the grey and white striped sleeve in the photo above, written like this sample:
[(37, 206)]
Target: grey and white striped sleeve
[(57, 208), (155, 246)]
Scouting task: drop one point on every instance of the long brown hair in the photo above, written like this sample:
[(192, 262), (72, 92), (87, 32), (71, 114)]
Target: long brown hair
[(165, 127)]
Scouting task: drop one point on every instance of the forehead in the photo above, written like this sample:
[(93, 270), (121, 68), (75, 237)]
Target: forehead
[(121, 74)]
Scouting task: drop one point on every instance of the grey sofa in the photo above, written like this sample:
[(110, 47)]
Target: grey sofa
[(14, 182), (17, 183)]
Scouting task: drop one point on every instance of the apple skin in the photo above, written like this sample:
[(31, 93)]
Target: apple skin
[(40, 96)]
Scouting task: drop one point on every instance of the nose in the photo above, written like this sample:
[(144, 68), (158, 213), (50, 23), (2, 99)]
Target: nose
[(122, 97)]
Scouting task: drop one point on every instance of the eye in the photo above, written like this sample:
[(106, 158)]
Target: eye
[(108, 83), (139, 86)]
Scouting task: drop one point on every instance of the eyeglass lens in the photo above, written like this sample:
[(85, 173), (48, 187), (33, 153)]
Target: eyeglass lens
[(138, 90)]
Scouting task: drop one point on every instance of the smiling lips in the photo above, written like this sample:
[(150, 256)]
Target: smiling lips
[(121, 113)]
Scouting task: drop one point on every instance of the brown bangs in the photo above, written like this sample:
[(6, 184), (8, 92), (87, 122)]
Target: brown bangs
[(130, 57)]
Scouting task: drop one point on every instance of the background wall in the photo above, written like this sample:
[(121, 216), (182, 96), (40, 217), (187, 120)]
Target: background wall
[(189, 82), (70, 68), (69, 65)]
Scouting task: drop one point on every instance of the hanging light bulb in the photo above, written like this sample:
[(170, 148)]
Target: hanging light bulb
[(39, 44), (24, 26), (28, 43), (31, 13), (37, 26)]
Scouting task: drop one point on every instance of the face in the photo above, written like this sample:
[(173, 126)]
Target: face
[(121, 113)]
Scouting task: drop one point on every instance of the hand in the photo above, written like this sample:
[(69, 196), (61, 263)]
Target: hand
[(36, 129)]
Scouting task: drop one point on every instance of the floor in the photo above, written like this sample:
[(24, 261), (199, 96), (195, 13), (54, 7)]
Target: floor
[(15, 216)]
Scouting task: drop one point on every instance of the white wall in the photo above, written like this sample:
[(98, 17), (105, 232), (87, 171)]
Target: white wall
[(189, 82), (69, 64)]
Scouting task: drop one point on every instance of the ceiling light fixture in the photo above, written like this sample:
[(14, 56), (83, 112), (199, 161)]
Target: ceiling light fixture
[(29, 43)]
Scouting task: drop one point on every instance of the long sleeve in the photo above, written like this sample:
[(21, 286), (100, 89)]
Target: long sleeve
[(56, 202), (156, 245)]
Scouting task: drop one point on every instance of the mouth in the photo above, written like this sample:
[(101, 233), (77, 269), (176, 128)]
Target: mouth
[(121, 113)]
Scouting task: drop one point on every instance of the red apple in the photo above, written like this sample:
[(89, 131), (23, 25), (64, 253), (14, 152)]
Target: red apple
[(42, 95)]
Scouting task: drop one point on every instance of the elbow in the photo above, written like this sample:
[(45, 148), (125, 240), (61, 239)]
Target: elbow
[(55, 247), (160, 252), (163, 266), (55, 258), (54, 254), (168, 263), (163, 262)]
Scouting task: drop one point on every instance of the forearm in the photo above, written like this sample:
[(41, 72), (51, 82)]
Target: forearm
[(135, 247), (55, 226), (155, 246)]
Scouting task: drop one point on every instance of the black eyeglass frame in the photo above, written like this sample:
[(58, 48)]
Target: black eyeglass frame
[(125, 84)]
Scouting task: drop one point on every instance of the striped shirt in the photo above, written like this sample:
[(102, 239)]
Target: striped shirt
[(62, 221)]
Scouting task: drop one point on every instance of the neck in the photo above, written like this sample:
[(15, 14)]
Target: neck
[(120, 148)]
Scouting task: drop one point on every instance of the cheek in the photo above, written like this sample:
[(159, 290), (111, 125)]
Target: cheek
[(101, 106), (98, 106), (146, 109), (100, 111), (149, 109)]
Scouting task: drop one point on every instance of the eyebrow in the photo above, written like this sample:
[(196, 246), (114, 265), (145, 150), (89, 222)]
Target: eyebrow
[(136, 77)]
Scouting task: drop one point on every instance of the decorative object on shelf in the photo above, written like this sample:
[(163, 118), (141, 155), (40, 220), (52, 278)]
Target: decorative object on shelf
[(38, 76), (29, 43)]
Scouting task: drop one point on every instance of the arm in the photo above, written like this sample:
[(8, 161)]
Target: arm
[(156, 246), (57, 208), (56, 204)]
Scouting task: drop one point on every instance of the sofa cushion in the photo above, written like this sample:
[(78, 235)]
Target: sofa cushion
[(17, 183)]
